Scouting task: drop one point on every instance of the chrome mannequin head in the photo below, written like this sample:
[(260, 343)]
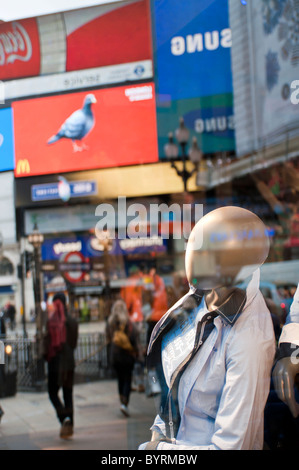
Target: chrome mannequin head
[(225, 245)]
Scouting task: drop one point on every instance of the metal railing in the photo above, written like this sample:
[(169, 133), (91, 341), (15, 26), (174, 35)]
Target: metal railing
[(21, 363), (21, 368)]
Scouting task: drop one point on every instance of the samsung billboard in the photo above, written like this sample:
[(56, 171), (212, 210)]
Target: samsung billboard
[(192, 59)]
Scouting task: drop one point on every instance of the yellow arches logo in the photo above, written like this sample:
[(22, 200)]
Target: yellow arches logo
[(23, 167)]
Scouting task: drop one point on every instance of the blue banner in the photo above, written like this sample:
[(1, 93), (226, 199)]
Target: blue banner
[(63, 190), (7, 157), (192, 48), (90, 246), (193, 75)]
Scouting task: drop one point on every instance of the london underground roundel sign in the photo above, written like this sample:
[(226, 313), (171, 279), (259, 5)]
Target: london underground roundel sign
[(75, 260)]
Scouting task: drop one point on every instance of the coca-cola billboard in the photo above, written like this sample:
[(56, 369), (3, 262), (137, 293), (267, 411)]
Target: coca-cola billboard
[(19, 49), (108, 35), (96, 37)]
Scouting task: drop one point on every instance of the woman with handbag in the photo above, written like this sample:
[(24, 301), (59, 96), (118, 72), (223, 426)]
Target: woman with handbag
[(123, 338)]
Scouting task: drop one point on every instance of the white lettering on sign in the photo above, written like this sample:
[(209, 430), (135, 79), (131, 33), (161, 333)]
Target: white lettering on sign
[(67, 247), (15, 45), (220, 124), (139, 93), (198, 42)]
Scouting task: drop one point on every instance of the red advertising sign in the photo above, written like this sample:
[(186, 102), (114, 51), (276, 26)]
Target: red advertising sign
[(79, 131), (87, 38), (19, 49), (114, 35)]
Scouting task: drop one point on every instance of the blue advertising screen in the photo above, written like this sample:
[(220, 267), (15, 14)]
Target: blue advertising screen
[(193, 75), (7, 158), (192, 45)]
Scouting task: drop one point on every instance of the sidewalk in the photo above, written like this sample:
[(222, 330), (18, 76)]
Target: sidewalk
[(30, 422)]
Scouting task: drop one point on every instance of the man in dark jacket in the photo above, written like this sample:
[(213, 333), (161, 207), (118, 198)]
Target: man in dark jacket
[(62, 339)]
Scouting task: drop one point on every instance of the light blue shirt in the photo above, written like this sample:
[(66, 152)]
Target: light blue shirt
[(224, 389)]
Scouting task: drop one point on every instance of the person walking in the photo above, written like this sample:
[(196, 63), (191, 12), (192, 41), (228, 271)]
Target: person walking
[(10, 312), (123, 338), (2, 325), (62, 336)]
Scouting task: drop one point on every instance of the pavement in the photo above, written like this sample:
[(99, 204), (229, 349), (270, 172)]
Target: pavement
[(30, 423)]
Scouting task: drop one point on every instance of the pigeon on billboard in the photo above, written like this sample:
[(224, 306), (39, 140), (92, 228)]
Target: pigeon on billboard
[(115, 127), (77, 125)]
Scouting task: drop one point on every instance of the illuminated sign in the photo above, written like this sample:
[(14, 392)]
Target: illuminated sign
[(79, 131), (7, 158), (86, 38), (63, 190), (61, 82), (19, 49), (108, 34), (192, 49)]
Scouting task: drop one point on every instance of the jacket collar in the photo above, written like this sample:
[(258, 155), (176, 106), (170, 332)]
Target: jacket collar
[(229, 311)]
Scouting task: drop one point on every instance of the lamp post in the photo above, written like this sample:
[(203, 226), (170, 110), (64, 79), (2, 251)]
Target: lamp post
[(106, 241), (172, 152), (36, 239)]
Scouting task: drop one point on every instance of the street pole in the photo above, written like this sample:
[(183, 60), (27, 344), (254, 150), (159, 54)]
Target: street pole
[(40, 375), (23, 267), (36, 240), (172, 152)]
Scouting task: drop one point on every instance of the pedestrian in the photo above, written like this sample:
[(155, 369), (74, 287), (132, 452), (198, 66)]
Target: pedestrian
[(132, 292), (2, 325), (217, 343), (123, 338), (159, 302), (11, 314), (61, 342)]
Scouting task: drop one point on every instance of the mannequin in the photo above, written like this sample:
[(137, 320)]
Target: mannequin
[(287, 364), (216, 344)]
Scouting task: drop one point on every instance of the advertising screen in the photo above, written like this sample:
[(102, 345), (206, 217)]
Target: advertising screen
[(270, 80), (79, 131), (19, 49), (83, 39), (107, 35), (7, 160), (192, 51)]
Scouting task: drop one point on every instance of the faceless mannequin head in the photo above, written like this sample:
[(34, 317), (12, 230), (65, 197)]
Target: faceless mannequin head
[(223, 243)]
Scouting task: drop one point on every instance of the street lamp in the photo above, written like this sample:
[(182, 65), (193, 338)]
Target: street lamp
[(107, 243), (36, 240), (172, 152)]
